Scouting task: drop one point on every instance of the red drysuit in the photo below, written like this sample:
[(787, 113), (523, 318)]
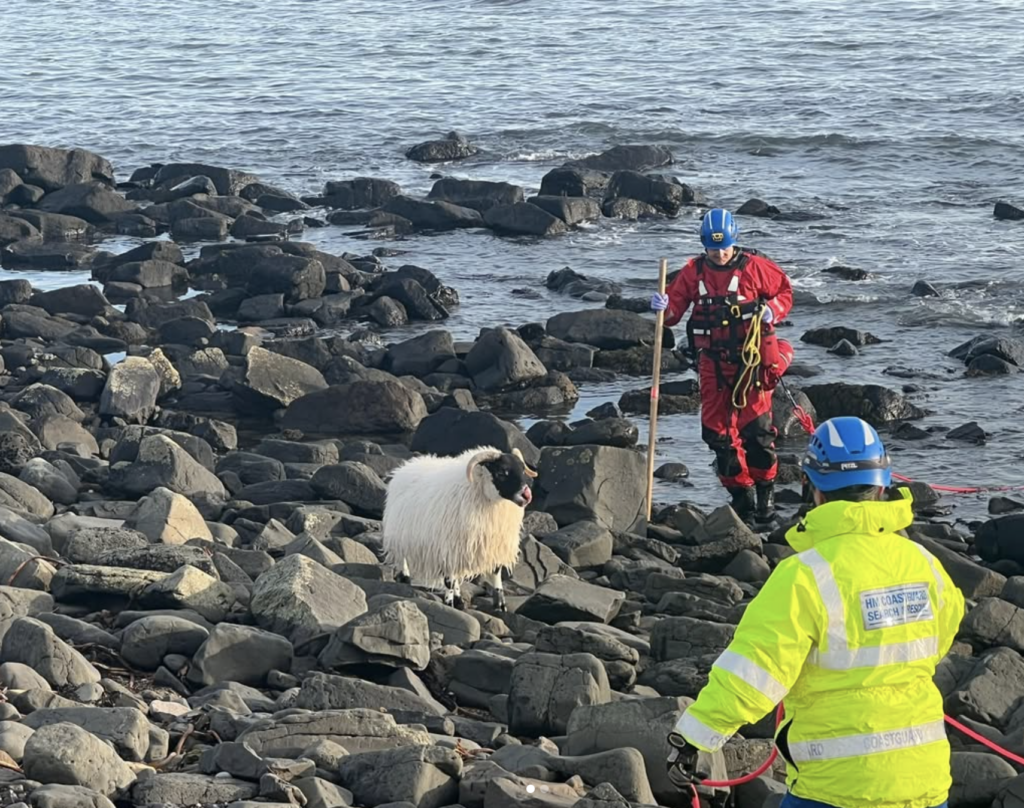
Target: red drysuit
[(743, 441)]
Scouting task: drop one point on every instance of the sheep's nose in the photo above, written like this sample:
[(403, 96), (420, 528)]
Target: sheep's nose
[(526, 494)]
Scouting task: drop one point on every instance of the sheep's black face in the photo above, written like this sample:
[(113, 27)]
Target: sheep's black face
[(509, 477)]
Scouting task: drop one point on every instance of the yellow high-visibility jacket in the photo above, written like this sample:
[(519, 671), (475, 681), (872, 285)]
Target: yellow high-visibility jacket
[(848, 632)]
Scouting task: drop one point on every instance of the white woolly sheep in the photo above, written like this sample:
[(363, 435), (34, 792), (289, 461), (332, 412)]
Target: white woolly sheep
[(447, 519)]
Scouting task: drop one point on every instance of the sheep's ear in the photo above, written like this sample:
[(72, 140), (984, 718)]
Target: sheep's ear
[(475, 461), (529, 472)]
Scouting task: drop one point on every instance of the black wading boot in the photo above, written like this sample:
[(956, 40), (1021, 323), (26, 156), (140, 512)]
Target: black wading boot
[(765, 502), (742, 502)]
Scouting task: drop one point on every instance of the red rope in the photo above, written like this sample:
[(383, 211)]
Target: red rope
[(738, 781), (970, 733), (808, 426)]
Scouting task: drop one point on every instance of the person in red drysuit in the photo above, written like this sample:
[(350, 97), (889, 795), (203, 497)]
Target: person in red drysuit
[(728, 286)]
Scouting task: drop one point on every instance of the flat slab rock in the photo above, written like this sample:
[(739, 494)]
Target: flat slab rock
[(190, 789), (357, 730), (563, 598)]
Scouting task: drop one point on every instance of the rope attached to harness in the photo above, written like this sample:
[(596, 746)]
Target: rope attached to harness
[(750, 359)]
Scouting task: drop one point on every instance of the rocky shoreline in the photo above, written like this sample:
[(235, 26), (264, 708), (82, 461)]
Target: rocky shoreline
[(192, 605)]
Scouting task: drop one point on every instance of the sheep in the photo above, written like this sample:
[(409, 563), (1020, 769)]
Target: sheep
[(448, 519)]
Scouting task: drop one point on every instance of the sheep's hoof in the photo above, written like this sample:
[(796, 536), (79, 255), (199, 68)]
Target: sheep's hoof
[(458, 603), (402, 578), (499, 600)]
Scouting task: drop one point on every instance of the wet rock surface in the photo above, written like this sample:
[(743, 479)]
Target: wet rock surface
[(195, 606)]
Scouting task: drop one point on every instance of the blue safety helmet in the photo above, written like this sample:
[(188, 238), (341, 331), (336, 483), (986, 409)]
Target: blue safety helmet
[(846, 451), (718, 230)]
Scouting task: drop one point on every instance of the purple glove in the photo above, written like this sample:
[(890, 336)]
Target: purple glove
[(767, 315), (659, 302)]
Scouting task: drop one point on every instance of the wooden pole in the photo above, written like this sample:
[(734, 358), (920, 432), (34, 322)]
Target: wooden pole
[(655, 382)]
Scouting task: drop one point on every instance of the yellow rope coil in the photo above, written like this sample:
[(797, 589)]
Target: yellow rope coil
[(750, 359)]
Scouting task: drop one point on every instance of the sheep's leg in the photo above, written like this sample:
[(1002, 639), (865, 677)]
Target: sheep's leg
[(498, 591), (453, 594), (404, 577)]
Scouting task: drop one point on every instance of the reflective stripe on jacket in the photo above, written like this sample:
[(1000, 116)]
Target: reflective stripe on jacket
[(848, 632)]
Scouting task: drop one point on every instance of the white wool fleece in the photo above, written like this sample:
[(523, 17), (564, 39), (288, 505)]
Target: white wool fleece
[(442, 525)]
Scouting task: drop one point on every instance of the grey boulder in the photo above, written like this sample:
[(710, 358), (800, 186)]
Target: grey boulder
[(396, 634), (131, 391), (546, 688), (299, 599), (34, 643), (240, 654), (426, 777), (66, 754)]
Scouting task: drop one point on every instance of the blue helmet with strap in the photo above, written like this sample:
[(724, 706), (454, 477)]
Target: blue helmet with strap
[(718, 230), (846, 451)]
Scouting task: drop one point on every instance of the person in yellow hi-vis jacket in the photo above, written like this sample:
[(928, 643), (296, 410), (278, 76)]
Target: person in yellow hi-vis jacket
[(848, 633)]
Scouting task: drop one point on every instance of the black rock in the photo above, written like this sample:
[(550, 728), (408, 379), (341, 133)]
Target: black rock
[(449, 432), (844, 348), (569, 282), (83, 299), (1008, 212), (907, 431), (673, 397), (153, 315), (523, 218), (51, 168), (572, 182), (924, 289), (570, 209), (445, 296), (625, 158), (607, 410), (415, 300), (1005, 348), (990, 365), (875, 404), (639, 361), (602, 328), (227, 181), (500, 360), (629, 209), (452, 147), (478, 194), (15, 291), (758, 207), (667, 197), (1001, 505), (606, 432), (360, 193), (672, 471), (420, 355), (387, 313), (93, 201), (547, 433), (970, 432), (999, 539), (830, 336), (186, 331), (847, 273), (279, 203), (151, 251), (27, 254), (358, 407)]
